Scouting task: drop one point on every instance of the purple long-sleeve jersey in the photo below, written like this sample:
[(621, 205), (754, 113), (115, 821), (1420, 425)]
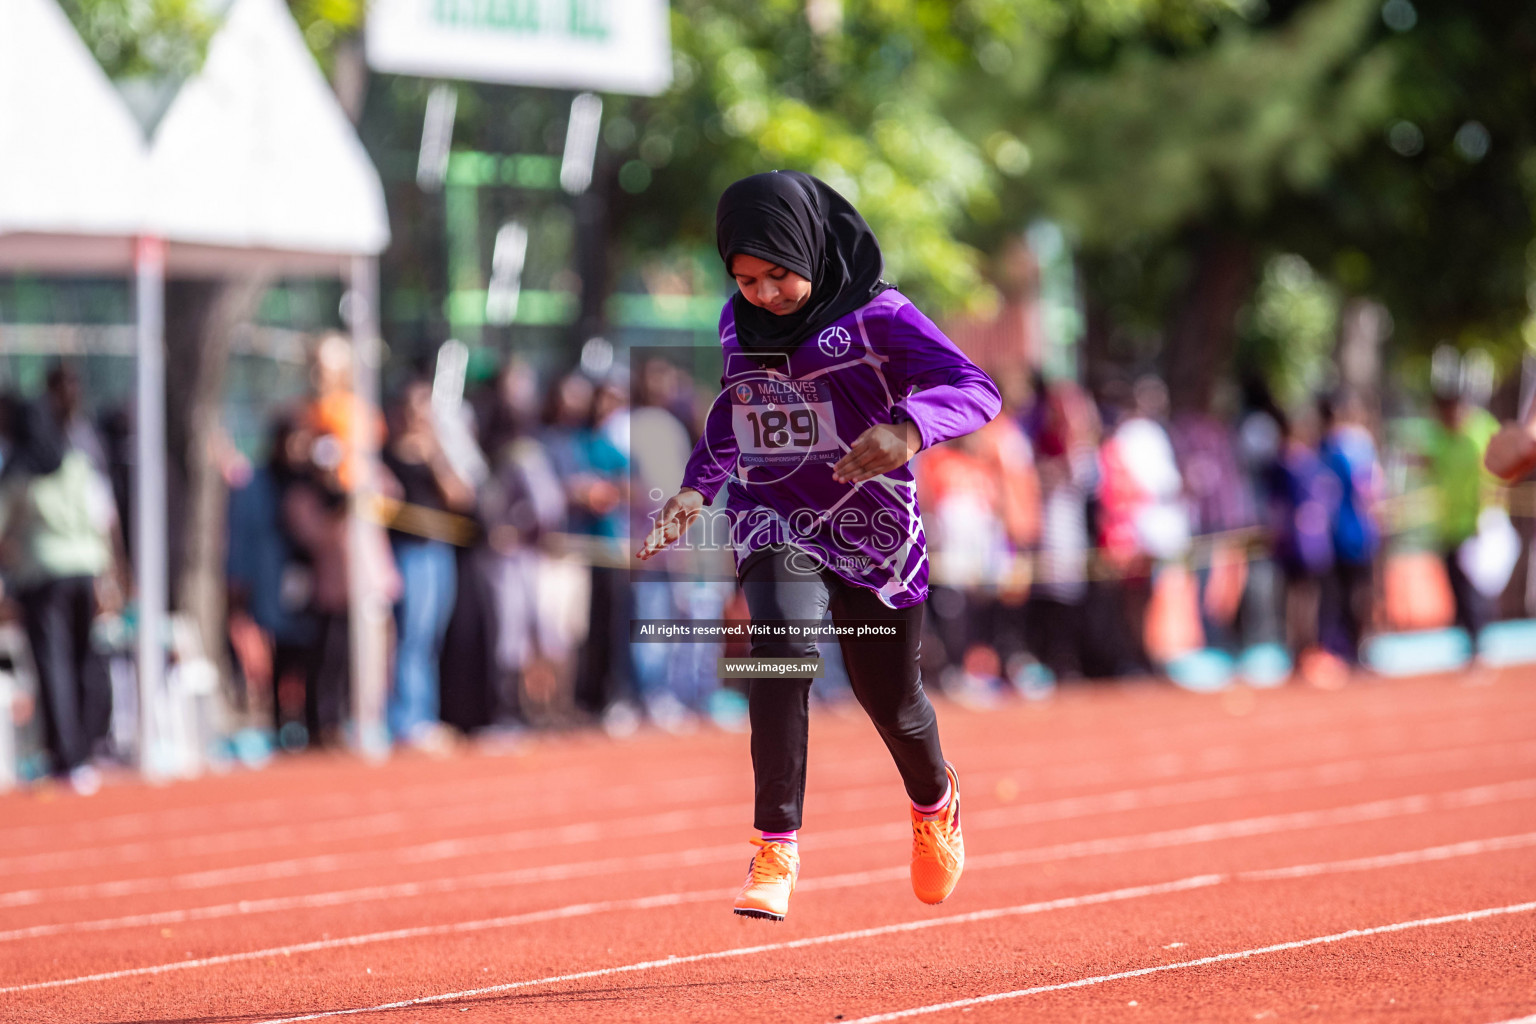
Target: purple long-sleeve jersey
[(774, 434)]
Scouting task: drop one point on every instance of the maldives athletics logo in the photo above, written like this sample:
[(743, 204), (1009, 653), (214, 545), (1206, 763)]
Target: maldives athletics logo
[(835, 342), (744, 393)]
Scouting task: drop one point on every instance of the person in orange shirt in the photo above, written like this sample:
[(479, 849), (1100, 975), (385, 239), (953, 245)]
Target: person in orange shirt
[(331, 415), (316, 516)]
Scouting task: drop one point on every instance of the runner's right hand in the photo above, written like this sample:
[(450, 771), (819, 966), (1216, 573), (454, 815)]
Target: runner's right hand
[(680, 510)]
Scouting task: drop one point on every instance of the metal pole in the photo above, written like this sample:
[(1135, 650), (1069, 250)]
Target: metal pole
[(461, 225), (149, 499), (367, 610)]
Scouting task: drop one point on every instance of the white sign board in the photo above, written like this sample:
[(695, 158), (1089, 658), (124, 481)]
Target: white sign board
[(619, 46)]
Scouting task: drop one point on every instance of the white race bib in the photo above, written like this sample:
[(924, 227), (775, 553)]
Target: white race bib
[(783, 422)]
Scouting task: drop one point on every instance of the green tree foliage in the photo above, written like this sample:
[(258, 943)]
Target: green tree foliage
[(875, 99), (1292, 321), (169, 38), (1391, 145), (758, 89), (326, 23), (1436, 214), (1168, 161), (137, 38), (1141, 148)]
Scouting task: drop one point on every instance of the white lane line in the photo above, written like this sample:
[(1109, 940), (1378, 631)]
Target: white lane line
[(1427, 855), (1128, 893), (384, 823), (1251, 784), (912, 926), (1044, 760), (1388, 860), (1127, 844), (339, 826), (1060, 809), (389, 820), (283, 808), (1242, 828), (678, 820), (424, 931), (1374, 810), (1242, 954), (1211, 832), (1521, 1020)]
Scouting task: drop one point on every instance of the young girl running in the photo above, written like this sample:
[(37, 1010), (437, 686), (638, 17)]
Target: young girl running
[(833, 381)]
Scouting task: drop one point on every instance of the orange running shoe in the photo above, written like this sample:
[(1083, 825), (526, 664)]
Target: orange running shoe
[(938, 850), (770, 879)]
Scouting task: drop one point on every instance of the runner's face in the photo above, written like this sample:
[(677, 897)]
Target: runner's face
[(768, 285)]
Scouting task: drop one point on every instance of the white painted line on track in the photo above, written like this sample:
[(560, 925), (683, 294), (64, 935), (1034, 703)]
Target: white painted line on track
[(912, 926), (1043, 761), (1128, 893), (1374, 810), (1427, 855), (1387, 860), (1243, 954), (510, 920), (1333, 773), (1209, 832), (466, 809), (1242, 828), (245, 811), (1521, 1020)]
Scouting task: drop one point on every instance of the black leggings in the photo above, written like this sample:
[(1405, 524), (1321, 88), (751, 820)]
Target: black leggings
[(884, 675), (73, 686), (1473, 610)]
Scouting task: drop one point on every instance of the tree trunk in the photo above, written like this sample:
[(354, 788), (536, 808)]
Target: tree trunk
[(201, 320), (1202, 333), (349, 76), (1096, 363)]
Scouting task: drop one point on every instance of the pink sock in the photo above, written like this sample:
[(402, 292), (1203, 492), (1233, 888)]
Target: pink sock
[(782, 837), (934, 808)]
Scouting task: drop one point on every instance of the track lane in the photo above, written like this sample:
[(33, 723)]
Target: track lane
[(352, 854), (1090, 935), (720, 897), (1072, 722), (1349, 1005), (999, 813), (1040, 820), (1021, 874), (1234, 740)]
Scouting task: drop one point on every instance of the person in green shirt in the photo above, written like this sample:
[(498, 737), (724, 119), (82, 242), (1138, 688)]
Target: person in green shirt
[(56, 523), (1453, 448)]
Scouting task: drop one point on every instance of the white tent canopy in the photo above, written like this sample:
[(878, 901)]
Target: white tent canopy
[(253, 164), (73, 163), (256, 157), (254, 168)]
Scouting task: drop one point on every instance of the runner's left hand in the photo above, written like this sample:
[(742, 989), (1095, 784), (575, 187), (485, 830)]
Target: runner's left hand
[(879, 449)]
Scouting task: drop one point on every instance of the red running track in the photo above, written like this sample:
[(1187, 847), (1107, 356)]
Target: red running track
[(1135, 853)]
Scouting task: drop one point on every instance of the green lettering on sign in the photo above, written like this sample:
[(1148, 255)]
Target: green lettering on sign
[(589, 19), (583, 20)]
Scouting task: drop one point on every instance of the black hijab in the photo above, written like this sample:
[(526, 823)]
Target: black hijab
[(801, 224)]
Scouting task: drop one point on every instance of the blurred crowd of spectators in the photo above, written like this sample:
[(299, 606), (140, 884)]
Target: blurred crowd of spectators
[(1078, 535), (1100, 536)]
